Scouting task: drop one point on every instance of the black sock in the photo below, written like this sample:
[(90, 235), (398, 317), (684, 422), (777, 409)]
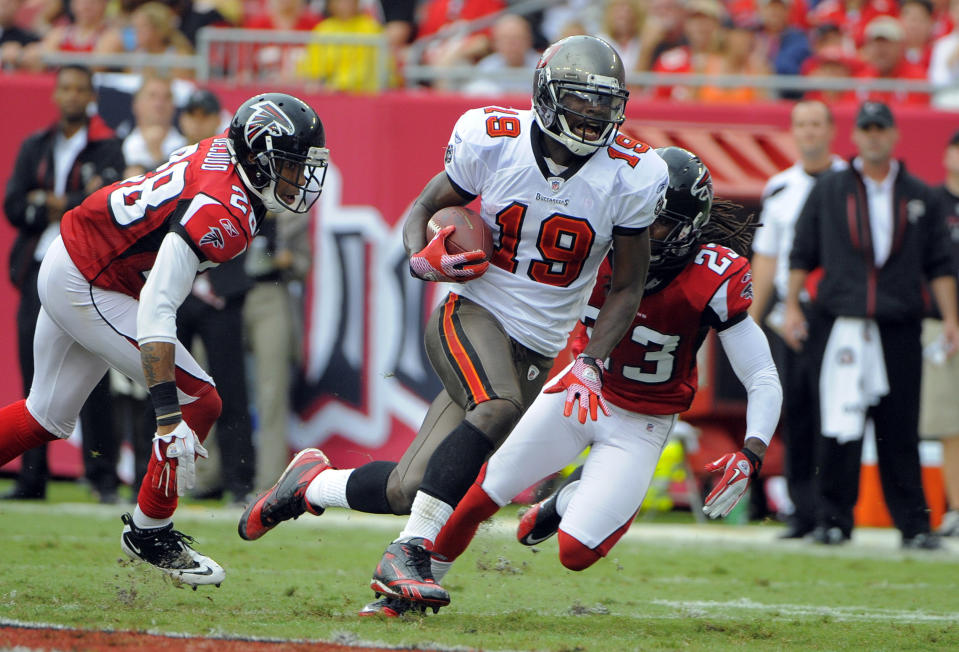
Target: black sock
[(366, 488), (455, 463)]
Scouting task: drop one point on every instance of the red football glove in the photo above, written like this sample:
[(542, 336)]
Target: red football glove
[(433, 263), (738, 471), (583, 383)]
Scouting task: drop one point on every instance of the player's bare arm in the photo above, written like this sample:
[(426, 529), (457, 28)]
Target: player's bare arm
[(159, 366), (630, 265), (438, 193)]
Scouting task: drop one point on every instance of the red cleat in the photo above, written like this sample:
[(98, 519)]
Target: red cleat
[(287, 498)]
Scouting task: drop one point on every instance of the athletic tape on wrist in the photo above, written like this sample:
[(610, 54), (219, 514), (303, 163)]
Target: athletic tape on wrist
[(166, 405), (754, 459)]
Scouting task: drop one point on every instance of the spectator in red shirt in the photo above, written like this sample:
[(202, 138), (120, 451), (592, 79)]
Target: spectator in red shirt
[(831, 61), (285, 15), (701, 52), (273, 60), (459, 46), (883, 55), (917, 25), (852, 16)]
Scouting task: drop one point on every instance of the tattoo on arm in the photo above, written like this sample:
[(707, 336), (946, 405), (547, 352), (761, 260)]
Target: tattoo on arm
[(158, 363)]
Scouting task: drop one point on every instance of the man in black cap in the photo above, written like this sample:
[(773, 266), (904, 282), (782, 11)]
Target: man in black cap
[(877, 233)]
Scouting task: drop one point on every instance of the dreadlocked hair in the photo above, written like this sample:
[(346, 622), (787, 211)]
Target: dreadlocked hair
[(730, 226)]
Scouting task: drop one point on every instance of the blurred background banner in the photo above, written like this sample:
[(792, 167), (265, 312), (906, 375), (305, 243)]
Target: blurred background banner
[(365, 382)]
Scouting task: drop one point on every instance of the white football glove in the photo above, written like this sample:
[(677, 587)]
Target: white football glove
[(738, 471), (181, 448)]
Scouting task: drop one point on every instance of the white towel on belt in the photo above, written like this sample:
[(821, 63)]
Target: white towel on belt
[(852, 378)]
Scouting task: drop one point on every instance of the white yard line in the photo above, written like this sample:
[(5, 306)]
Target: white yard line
[(736, 609), (866, 542)]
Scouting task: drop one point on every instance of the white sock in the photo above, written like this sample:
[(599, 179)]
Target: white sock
[(143, 521), (328, 489), (565, 495), (439, 569), (427, 517)]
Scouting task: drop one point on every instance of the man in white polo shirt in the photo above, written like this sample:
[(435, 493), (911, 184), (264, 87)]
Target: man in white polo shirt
[(812, 128)]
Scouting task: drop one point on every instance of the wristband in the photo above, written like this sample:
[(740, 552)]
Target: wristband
[(753, 459), (166, 405), (596, 362)]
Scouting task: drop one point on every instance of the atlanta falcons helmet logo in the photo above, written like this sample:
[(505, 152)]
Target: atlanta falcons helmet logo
[(267, 118)]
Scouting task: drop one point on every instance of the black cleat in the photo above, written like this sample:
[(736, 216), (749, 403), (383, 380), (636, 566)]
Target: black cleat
[(404, 572), (541, 521), (169, 550)]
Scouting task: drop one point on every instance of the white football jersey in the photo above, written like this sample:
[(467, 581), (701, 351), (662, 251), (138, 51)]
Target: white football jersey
[(551, 231)]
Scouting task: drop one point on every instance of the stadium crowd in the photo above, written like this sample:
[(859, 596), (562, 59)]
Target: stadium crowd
[(862, 39)]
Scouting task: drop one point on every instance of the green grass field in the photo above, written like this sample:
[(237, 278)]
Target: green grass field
[(667, 586)]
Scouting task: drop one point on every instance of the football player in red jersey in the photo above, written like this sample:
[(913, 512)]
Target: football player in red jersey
[(698, 279), (111, 284)]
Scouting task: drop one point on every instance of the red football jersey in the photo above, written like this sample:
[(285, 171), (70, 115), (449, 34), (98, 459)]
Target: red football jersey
[(653, 369), (114, 235)]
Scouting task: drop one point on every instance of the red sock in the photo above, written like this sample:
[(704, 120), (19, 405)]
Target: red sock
[(461, 527), (158, 493), (19, 431)]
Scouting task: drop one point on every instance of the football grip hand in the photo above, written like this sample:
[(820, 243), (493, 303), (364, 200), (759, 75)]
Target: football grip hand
[(738, 471), (583, 384), (433, 263), (180, 448)]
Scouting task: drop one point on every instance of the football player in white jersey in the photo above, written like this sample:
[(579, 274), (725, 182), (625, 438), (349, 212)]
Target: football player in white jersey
[(559, 186), (698, 279)]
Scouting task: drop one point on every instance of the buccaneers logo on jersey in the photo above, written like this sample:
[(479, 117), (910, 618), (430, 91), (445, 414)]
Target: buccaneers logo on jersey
[(267, 118)]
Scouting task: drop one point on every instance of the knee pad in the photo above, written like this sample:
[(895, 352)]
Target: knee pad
[(202, 413), (574, 555)]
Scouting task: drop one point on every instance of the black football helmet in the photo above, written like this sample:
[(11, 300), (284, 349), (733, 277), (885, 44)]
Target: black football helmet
[(689, 199), (580, 84), (276, 137)]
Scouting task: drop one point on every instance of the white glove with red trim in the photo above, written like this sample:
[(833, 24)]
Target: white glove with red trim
[(738, 471), (180, 449), (583, 384), (433, 263)]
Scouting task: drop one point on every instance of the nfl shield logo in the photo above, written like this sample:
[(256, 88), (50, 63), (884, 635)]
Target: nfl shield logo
[(555, 183)]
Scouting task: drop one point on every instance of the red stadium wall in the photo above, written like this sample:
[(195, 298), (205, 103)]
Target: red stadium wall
[(366, 382)]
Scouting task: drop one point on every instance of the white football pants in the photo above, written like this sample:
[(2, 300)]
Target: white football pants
[(619, 468), (81, 331)]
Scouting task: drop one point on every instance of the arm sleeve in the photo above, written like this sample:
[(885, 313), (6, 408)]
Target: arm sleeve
[(167, 286), (748, 353)]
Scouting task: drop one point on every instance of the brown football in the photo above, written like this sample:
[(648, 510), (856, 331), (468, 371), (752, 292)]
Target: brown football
[(471, 232)]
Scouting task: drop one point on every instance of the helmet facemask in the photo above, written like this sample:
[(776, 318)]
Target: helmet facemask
[(674, 248), (284, 180), (582, 116)]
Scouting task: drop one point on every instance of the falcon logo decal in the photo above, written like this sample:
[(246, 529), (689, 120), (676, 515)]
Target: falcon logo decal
[(267, 118), (213, 237), (703, 186)]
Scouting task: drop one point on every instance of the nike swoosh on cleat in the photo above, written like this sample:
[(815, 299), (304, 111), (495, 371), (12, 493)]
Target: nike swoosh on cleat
[(206, 571), (131, 546)]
